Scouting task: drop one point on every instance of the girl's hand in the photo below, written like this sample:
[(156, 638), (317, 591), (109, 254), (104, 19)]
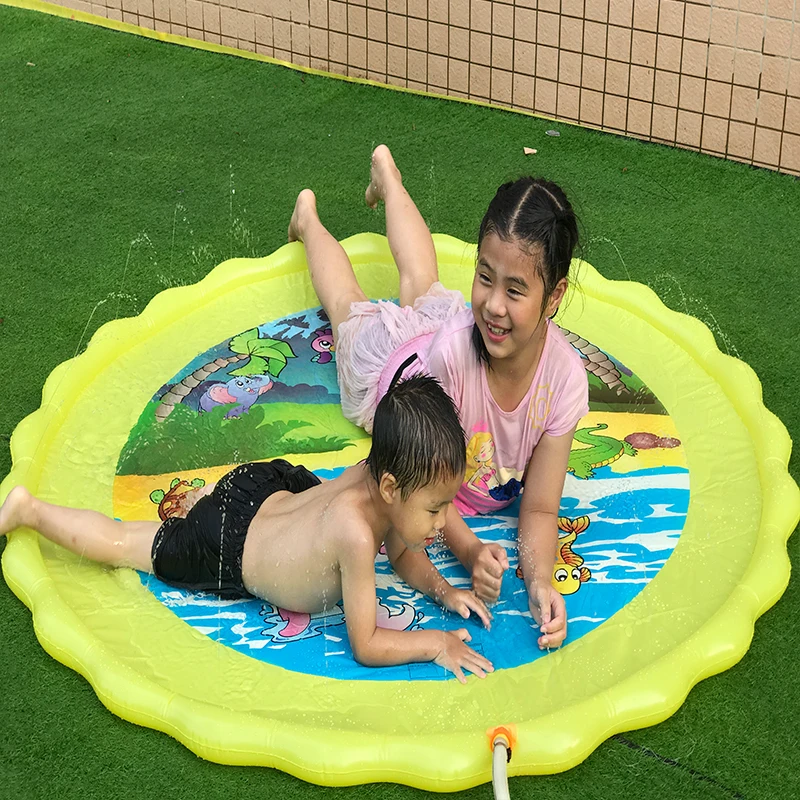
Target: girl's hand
[(464, 602), (488, 565), (456, 656), (548, 609)]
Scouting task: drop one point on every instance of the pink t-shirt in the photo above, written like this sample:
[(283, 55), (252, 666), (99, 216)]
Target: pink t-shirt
[(500, 443)]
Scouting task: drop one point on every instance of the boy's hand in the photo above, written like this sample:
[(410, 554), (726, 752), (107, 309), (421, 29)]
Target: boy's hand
[(548, 609), (456, 656), (464, 602), (488, 566)]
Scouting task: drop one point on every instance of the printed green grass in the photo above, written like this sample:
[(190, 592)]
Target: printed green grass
[(186, 440), (129, 166)]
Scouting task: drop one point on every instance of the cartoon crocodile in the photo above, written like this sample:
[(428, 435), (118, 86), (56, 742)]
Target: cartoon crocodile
[(604, 450)]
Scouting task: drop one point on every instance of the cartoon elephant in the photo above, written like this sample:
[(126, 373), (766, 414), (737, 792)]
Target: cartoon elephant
[(244, 390)]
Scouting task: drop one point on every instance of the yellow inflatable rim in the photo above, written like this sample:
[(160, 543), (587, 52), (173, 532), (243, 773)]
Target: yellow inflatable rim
[(693, 620)]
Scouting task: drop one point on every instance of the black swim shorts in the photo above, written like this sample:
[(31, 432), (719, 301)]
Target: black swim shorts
[(203, 552)]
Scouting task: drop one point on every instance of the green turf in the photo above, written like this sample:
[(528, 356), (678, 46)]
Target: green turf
[(119, 160)]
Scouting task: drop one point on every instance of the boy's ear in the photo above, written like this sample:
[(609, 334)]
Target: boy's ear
[(387, 486), (554, 301)]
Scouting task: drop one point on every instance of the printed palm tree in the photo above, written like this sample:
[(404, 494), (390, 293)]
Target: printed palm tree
[(263, 357)]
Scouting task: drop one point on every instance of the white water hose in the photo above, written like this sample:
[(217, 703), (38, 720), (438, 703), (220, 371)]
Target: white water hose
[(501, 755)]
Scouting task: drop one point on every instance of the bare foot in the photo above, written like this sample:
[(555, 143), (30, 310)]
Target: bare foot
[(383, 172), (306, 204), (12, 512)]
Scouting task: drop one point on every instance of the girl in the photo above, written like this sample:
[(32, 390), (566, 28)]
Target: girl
[(519, 386)]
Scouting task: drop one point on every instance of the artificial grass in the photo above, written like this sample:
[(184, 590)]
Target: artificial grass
[(131, 165)]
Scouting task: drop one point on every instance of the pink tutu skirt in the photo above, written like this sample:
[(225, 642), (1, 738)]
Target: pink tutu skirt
[(369, 336)]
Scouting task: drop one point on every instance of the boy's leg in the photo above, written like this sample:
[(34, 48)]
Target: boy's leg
[(331, 271), (409, 237), (87, 533)]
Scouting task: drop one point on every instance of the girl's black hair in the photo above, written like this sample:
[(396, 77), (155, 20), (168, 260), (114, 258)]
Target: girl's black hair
[(535, 214), (417, 436)]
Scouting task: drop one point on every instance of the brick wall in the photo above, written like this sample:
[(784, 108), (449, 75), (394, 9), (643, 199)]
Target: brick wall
[(719, 76)]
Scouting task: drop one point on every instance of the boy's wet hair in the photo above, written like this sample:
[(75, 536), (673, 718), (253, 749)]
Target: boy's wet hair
[(417, 436), (535, 214)]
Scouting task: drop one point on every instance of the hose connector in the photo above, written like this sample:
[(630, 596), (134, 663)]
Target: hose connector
[(501, 742), (504, 735)]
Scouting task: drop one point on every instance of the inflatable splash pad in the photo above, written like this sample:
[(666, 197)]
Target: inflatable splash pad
[(675, 514)]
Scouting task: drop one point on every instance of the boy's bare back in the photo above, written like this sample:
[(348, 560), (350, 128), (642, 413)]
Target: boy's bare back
[(295, 544)]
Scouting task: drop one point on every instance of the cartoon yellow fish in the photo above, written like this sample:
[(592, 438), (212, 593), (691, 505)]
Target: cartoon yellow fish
[(568, 572)]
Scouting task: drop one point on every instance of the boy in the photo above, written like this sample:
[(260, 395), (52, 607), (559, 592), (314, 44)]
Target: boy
[(275, 531)]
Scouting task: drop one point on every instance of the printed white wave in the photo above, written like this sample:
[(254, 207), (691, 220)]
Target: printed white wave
[(240, 629), (243, 641), (612, 558), (509, 544), (602, 577), (173, 599), (586, 619), (659, 510), (654, 541), (598, 516), (588, 491), (662, 510), (257, 644), (495, 523), (444, 559)]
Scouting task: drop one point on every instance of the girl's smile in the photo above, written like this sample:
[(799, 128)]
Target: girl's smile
[(496, 333)]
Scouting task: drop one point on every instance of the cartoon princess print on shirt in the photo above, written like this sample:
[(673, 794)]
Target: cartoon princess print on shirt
[(482, 476), (481, 473)]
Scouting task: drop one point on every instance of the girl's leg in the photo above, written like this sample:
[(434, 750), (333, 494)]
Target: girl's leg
[(409, 237), (87, 533), (331, 271)]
